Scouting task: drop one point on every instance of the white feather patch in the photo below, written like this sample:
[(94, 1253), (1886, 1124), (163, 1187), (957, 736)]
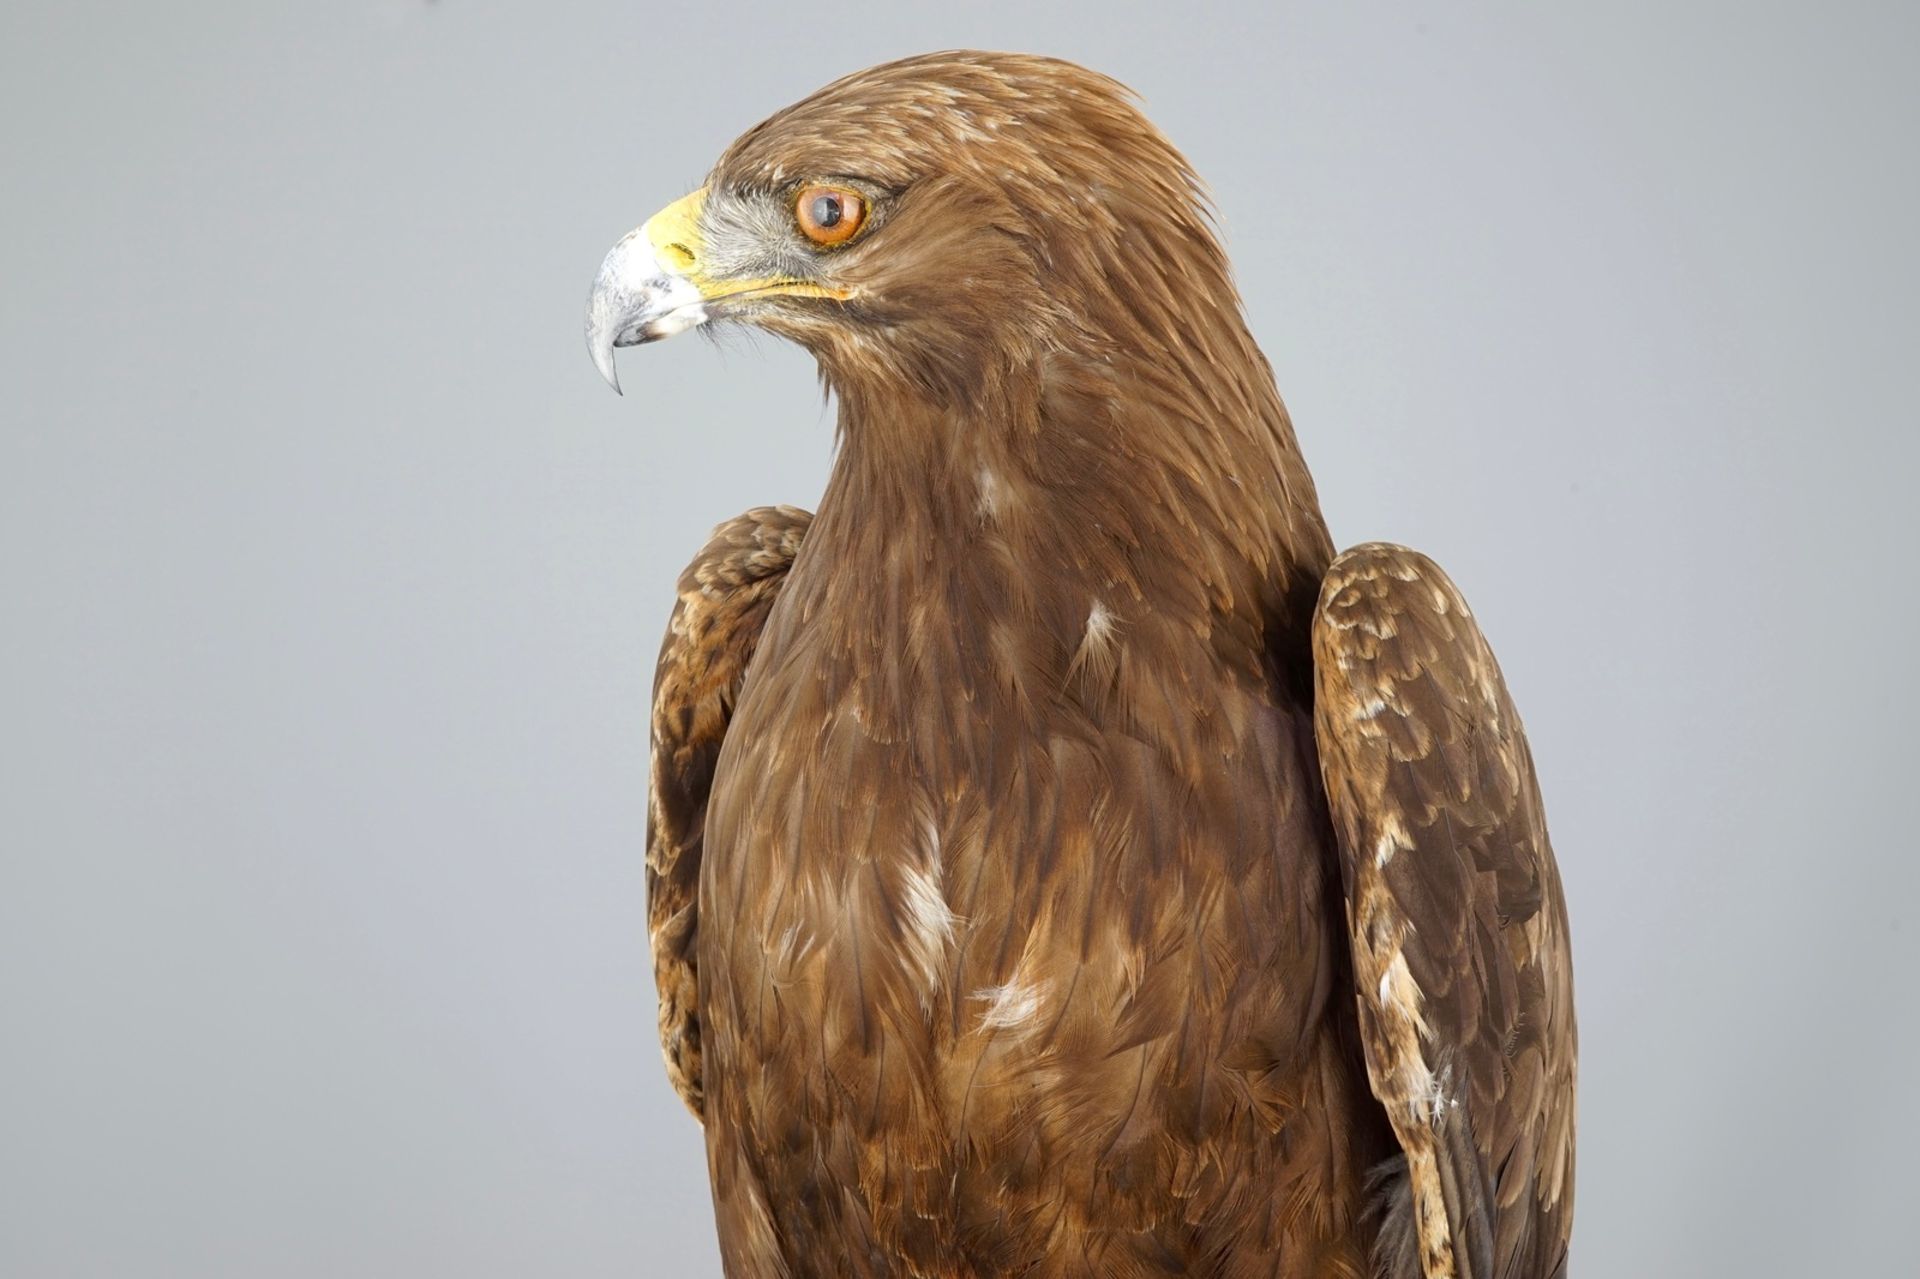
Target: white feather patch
[(1013, 1006), (1099, 624), (1402, 1003), (929, 920), (1393, 839), (1097, 658), (990, 492)]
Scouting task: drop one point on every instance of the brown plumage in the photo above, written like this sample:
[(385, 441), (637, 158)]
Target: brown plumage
[(1002, 811)]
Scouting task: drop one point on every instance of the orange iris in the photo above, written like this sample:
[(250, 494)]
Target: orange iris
[(829, 215)]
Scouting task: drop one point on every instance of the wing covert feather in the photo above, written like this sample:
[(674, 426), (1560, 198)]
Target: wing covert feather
[(1458, 926), (725, 595)]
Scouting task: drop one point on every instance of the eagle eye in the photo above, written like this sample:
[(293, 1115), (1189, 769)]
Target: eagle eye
[(829, 215)]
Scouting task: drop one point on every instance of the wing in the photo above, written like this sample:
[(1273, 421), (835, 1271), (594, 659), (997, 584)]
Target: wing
[(1459, 930), (725, 596)]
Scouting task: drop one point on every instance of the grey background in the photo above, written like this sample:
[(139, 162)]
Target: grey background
[(332, 577)]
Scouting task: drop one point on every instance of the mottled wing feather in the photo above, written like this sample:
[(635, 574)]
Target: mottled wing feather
[(725, 596), (1459, 930)]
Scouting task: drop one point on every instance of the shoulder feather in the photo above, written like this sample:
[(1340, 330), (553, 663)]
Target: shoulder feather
[(725, 595)]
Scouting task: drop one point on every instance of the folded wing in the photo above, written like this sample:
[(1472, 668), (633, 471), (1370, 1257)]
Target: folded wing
[(725, 596), (1458, 926)]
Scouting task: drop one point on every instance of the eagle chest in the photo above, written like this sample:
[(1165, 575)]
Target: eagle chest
[(948, 958)]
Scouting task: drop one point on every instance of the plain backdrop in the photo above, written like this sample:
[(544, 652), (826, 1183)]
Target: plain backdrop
[(332, 575)]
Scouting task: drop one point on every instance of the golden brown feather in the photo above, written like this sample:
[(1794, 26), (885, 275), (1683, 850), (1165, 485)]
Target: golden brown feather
[(995, 899)]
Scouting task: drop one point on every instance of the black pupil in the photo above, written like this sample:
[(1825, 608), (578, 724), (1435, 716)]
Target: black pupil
[(826, 210)]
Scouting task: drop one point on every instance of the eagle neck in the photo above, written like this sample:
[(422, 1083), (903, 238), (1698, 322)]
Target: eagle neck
[(992, 538)]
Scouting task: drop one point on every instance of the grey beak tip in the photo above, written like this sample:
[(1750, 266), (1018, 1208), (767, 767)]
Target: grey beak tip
[(600, 347), (603, 360)]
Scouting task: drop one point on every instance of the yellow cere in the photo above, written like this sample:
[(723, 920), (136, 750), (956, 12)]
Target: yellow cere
[(674, 233)]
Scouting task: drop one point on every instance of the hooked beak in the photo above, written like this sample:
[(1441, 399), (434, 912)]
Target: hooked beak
[(648, 287), (655, 283)]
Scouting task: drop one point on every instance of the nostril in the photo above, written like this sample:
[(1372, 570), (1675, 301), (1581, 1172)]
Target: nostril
[(678, 256)]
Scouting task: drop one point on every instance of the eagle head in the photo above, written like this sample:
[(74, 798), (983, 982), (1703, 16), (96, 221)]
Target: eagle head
[(938, 222)]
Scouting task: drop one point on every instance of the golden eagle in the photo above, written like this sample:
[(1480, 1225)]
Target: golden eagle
[(1060, 861)]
